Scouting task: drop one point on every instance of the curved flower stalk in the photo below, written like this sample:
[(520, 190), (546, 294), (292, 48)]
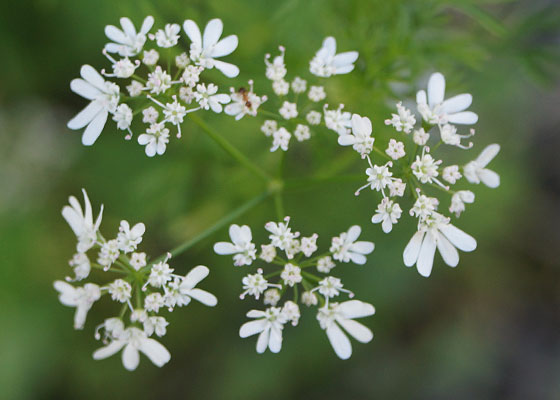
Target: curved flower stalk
[(291, 281), (142, 288), (410, 162), (162, 91)]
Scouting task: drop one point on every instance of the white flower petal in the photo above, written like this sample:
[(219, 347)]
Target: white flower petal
[(194, 276), (329, 44), (128, 27), (224, 248), (66, 293), (489, 178), (426, 256), (448, 252), (212, 32), (112, 348), (206, 298), (84, 89), (262, 341), (457, 103), (412, 249), (488, 155), (275, 340), (229, 70), (93, 77), (465, 118), (458, 238), (358, 331), (421, 97), (339, 342), (355, 309), (155, 351), (362, 247), (343, 59), (252, 328), (130, 357), (436, 89), (147, 24), (115, 34), (192, 31), (94, 128), (357, 258), (85, 116), (353, 233), (346, 140), (225, 46)]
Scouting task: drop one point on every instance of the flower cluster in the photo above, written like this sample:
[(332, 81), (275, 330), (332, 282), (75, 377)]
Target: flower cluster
[(295, 119), (290, 281), (152, 77), (143, 288), (409, 162)]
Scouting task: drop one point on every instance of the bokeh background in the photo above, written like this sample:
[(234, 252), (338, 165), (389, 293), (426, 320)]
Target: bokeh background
[(489, 329)]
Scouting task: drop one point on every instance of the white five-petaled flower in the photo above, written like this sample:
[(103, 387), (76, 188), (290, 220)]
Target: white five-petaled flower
[(207, 47), (127, 42), (208, 99), (167, 37), (80, 297), (476, 171), (268, 324), (434, 232), (425, 168), (129, 238), (458, 201), (244, 102), (333, 316), (104, 98), (403, 121), (388, 213), (327, 63), (155, 139), (187, 287), (134, 341), (338, 120), (435, 110), (81, 222), (241, 247), (280, 139), (281, 234), (360, 139), (276, 70), (345, 248)]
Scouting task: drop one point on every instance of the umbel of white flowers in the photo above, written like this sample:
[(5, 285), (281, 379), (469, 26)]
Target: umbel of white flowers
[(295, 277), (144, 289)]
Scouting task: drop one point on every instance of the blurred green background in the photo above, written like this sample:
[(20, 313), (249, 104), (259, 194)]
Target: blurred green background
[(489, 329)]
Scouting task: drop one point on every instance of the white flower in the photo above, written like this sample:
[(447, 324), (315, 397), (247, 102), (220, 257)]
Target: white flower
[(345, 248), (333, 316), (281, 87), (281, 139), (403, 121), (313, 117), (153, 302), (80, 297), (127, 42), (388, 213), (123, 68), (325, 264), (450, 136), (424, 206), (379, 177), (174, 112), (309, 245), (207, 47), (425, 168), (458, 201), (135, 88), (150, 57), (160, 274), (299, 85), (326, 62), (186, 94), (268, 252), (476, 171), (81, 222), (420, 137), (293, 248), (435, 110), (451, 174), (291, 312), (254, 285), (269, 127), (155, 139), (316, 93), (81, 265), (241, 247), (291, 274), (188, 289), (271, 297), (397, 188), (436, 231), (150, 115), (120, 290), (360, 139), (158, 81), (244, 102), (108, 253), (337, 120), (268, 324), (288, 110), (395, 149), (138, 315), (276, 70), (330, 286), (167, 37), (128, 239), (157, 325), (191, 75), (208, 99), (134, 341), (281, 234), (182, 60), (104, 98), (309, 299), (123, 117)]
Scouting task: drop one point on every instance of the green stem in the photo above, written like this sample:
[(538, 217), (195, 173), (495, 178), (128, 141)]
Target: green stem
[(230, 149), (217, 226)]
